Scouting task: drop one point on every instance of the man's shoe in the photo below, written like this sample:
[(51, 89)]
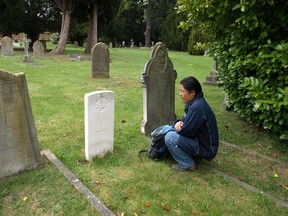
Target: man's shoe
[(178, 168)]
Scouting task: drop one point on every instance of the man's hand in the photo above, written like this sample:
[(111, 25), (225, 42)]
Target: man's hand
[(178, 126)]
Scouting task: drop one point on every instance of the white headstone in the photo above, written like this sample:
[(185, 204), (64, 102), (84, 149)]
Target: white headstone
[(99, 123)]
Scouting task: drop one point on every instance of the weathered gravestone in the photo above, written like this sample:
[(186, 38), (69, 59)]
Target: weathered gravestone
[(7, 46), (19, 148), (100, 60), (158, 81), (99, 123), (38, 49), (212, 79)]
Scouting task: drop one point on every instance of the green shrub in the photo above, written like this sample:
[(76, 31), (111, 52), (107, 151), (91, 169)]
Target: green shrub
[(55, 37), (249, 43), (253, 66), (196, 45)]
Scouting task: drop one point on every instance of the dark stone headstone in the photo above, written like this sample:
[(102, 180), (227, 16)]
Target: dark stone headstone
[(158, 81), (100, 61)]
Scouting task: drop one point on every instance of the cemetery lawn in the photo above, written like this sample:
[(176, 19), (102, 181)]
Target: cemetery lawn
[(126, 183)]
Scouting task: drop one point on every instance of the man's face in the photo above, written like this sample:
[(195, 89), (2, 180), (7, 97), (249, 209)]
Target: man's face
[(185, 95)]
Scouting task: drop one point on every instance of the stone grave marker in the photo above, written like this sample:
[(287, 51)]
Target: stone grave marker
[(38, 49), (212, 79), (19, 149), (7, 46), (99, 123), (26, 42), (158, 81), (100, 61)]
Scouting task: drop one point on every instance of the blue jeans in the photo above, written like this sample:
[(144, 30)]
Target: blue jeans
[(184, 159)]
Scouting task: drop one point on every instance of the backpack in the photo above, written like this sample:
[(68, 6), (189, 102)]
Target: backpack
[(157, 149)]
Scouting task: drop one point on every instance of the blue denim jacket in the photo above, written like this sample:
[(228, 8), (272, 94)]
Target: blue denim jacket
[(199, 124)]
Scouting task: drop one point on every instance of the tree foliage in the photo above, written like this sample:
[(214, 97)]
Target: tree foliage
[(30, 17), (249, 42), (128, 22), (165, 22)]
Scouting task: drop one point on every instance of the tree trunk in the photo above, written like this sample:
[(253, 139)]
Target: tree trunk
[(59, 49), (66, 7), (148, 25), (93, 29)]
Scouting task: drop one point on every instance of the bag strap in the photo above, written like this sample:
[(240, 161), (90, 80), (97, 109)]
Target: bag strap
[(139, 154)]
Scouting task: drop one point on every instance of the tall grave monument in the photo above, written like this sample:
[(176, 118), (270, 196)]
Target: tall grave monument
[(26, 42), (19, 148), (100, 61), (158, 82), (212, 79)]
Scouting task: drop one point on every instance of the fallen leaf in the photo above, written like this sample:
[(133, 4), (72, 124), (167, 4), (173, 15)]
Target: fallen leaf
[(166, 207), (147, 204), (195, 212), (82, 151), (260, 145), (229, 173), (101, 155), (98, 182), (135, 214), (284, 186)]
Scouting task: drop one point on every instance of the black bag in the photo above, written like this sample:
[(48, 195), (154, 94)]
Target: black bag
[(157, 149)]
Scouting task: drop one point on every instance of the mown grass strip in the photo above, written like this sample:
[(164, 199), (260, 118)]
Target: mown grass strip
[(96, 202), (251, 188), (252, 153)]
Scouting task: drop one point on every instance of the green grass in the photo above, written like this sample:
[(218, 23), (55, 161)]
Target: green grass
[(120, 179)]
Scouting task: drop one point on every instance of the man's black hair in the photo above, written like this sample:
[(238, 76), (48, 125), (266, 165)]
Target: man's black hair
[(191, 84)]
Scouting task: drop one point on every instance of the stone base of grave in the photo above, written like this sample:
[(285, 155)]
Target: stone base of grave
[(100, 75), (27, 59), (212, 80)]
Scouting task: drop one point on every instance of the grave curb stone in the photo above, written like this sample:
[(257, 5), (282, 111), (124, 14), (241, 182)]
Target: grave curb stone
[(95, 201)]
